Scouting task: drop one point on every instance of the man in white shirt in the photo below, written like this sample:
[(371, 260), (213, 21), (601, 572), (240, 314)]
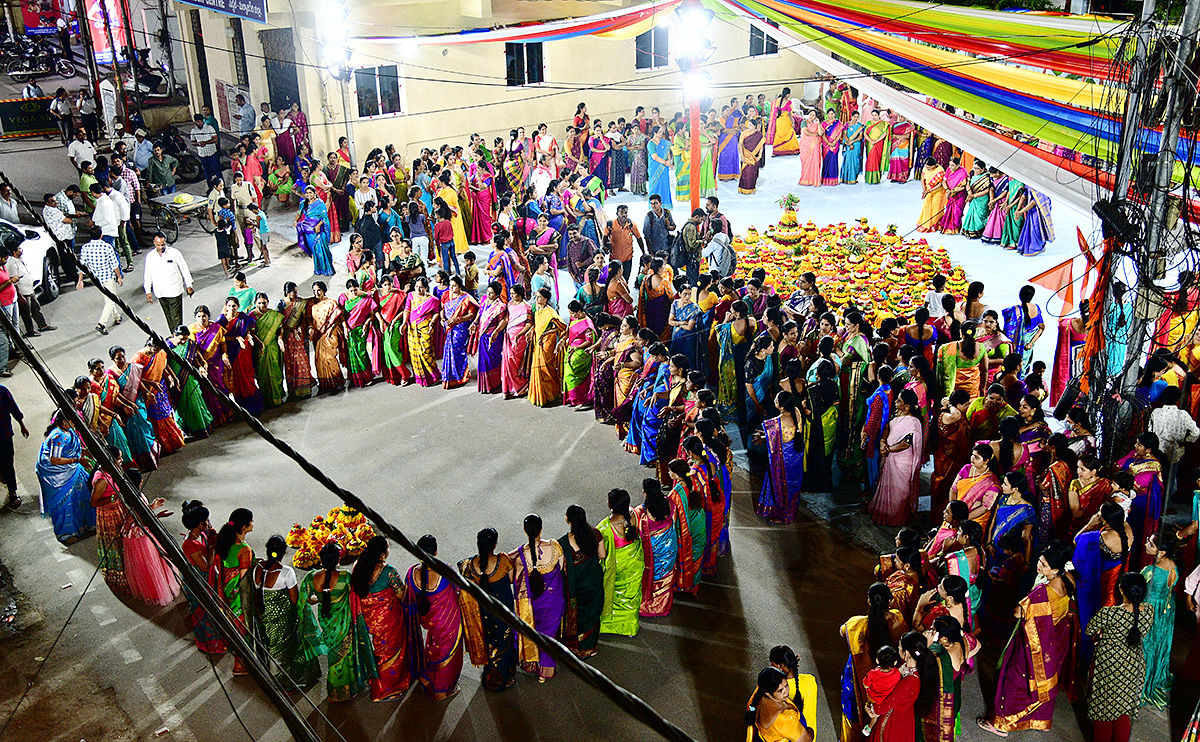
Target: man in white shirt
[(105, 216), (60, 109), (27, 303), (167, 275), (205, 139), (8, 204), (61, 225), (81, 150), (119, 135), (141, 151), (32, 90), (1175, 429), (87, 114), (121, 204), (244, 117)]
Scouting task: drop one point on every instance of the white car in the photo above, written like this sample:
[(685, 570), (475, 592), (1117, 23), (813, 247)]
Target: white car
[(40, 255)]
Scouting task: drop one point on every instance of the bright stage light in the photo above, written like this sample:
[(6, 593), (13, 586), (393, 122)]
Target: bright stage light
[(409, 49), (695, 85), (695, 19)]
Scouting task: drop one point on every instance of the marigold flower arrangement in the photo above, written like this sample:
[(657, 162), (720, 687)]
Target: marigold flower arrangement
[(343, 525)]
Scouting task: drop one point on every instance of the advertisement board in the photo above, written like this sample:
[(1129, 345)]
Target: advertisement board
[(251, 10), (26, 117), (100, 46)]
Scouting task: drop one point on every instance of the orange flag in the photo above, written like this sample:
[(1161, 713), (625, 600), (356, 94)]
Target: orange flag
[(1059, 279), (1088, 255)]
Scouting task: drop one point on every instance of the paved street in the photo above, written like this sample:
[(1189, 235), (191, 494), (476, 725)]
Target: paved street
[(431, 461)]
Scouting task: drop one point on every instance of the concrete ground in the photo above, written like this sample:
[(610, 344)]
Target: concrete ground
[(431, 461)]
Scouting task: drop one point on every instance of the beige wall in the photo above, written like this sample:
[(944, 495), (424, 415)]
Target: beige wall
[(450, 92)]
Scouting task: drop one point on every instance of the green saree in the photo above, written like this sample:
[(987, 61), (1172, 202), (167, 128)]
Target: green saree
[(340, 634), (268, 362), (624, 563)]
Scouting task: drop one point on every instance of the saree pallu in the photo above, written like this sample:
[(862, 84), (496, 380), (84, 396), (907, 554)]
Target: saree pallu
[(110, 524), (895, 498), (456, 369), (692, 344), (982, 489), (437, 659), (268, 363), (362, 340), (1099, 571), (487, 344), (1021, 330), (782, 131), (159, 410), (1145, 512), (481, 207), (383, 613), (852, 162), (545, 372), (720, 484), (858, 664), (297, 367), (899, 162), (1054, 511), (625, 385), (329, 347), (1065, 362), (731, 371), (577, 362), (138, 430), (780, 494), (952, 217), (490, 643), (646, 418), (994, 225), (604, 379), (937, 725), (660, 548), (821, 429), (422, 325), (1014, 518), (64, 487), (241, 380), (681, 155), (975, 216), (279, 623), (584, 581), (624, 564), (691, 538), (204, 632), (341, 635), (955, 372), (1038, 229), (728, 165), (658, 174), (544, 611), (933, 205), (654, 309), (748, 175), (1157, 641), (636, 144), (1038, 662), (313, 236), (1013, 221), (393, 346), (514, 374), (967, 566), (877, 151), (831, 171)]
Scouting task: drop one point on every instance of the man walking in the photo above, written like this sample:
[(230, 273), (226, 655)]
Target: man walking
[(204, 137), (167, 275), (99, 258), (27, 303), (657, 226), (687, 256), (60, 109), (622, 232), (580, 252), (104, 213), (81, 150)]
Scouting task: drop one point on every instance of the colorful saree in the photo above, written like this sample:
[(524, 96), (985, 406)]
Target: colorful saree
[(782, 131), (159, 410), (329, 347), (691, 537), (585, 599), (852, 161), (604, 378), (1038, 228), (341, 635), (544, 611), (956, 201), (780, 494), (514, 370), (241, 380), (899, 161), (297, 366), (728, 165), (646, 415), (313, 235), (624, 565), (460, 310), (997, 213), (490, 642), (895, 498), (1145, 511), (1054, 512), (545, 373), (750, 148), (268, 362), (394, 346), (577, 362), (831, 172), (933, 204), (978, 490), (624, 383), (975, 216), (956, 372), (487, 344), (423, 320), (66, 499), (1013, 219), (205, 634), (138, 432), (362, 338), (660, 548), (1038, 662), (938, 724), (654, 307), (194, 417), (437, 658), (875, 140), (383, 613)]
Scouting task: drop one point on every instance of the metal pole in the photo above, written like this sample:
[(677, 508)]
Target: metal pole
[(123, 8), (345, 85), (694, 130), (89, 54), (1178, 93), (1133, 103), (165, 40)]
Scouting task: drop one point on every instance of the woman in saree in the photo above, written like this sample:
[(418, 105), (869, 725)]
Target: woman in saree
[(955, 179), (143, 446), (865, 635), (577, 356), (313, 225), (658, 163), (645, 420), (540, 595), (583, 557), (1161, 575), (960, 363), (329, 346), (624, 565), (280, 181), (198, 547), (156, 378), (656, 522), (1144, 462), (681, 147), (1014, 215), (1016, 512), (239, 348), (831, 144), (1071, 336), (393, 347), (337, 628), (685, 319), (598, 156), (821, 411), (234, 559), (733, 342), (1101, 556), (618, 301), (66, 497), (98, 416), (380, 591), (900, 162), (781, 131), (784, 439), (628, 367), (277, 611), (432, 606), (952, 448), (654, 300), (514, 358), (1040, 659), (592, 296), (324, 188), (856, 385), (978, 484), (490, 642), (772, 715), (636, 142), (480, 182), (903, 452), (995, 344), (996, 207), (979, 193), (1023, 323), (486, 341), (194, 416), (1054, 508), (459, 311), (297, 327), (727, 158), (603, 377), (706, 180), (812, 137), (268, 347), (1038, 228), (547, 339), (304, 159), (852, 150), (514, 168), (421, 318), (933, 196), (750, 146), (362, 335), (691, 519), (875, 142)]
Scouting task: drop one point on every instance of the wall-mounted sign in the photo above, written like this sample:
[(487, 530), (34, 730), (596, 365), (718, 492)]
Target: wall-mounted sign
[(251, 10)]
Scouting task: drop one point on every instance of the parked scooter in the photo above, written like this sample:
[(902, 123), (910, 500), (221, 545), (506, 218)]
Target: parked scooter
[(26, 66)]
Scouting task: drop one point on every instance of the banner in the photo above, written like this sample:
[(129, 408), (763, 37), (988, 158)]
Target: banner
[(227, 94), (116, 21), (251, 10), (25, 117)]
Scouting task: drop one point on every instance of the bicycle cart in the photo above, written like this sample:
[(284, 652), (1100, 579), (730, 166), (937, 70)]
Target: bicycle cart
[(167, 213)]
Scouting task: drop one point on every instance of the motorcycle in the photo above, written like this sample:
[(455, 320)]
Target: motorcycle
[(26, 66), (175, 145)]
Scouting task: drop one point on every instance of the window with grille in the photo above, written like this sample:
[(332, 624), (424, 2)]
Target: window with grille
[(652, 49), (378, 90), (762, 43), (239, 54), (523, 64)]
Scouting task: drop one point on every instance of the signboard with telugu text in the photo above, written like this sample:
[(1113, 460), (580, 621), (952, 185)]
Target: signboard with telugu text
[(251, 10), (26, 117)]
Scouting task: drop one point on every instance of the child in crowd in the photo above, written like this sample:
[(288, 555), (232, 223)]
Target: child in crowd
[(226, 213), (224, 234), (443, 236), (933, 297), (882, 679), (470, 274), (1034, 381), (256, 224)]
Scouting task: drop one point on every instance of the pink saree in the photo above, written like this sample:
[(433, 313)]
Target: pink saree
[(514, 372), (955, 202), (899, 474)]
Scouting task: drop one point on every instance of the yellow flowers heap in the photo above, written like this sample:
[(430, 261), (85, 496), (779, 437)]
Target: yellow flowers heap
[(343, 525)]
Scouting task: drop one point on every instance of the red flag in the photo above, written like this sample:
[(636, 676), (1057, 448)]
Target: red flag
[(1086, 249), (1060, 280)]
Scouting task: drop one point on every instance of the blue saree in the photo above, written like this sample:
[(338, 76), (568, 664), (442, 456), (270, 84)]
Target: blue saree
[(1098, 571), (780, 493), (851, 155), (1021, 333), (1013, 517), (312, 232), (688, 342), (659, 174), (66, 498), (727, 493), (646, 420)]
